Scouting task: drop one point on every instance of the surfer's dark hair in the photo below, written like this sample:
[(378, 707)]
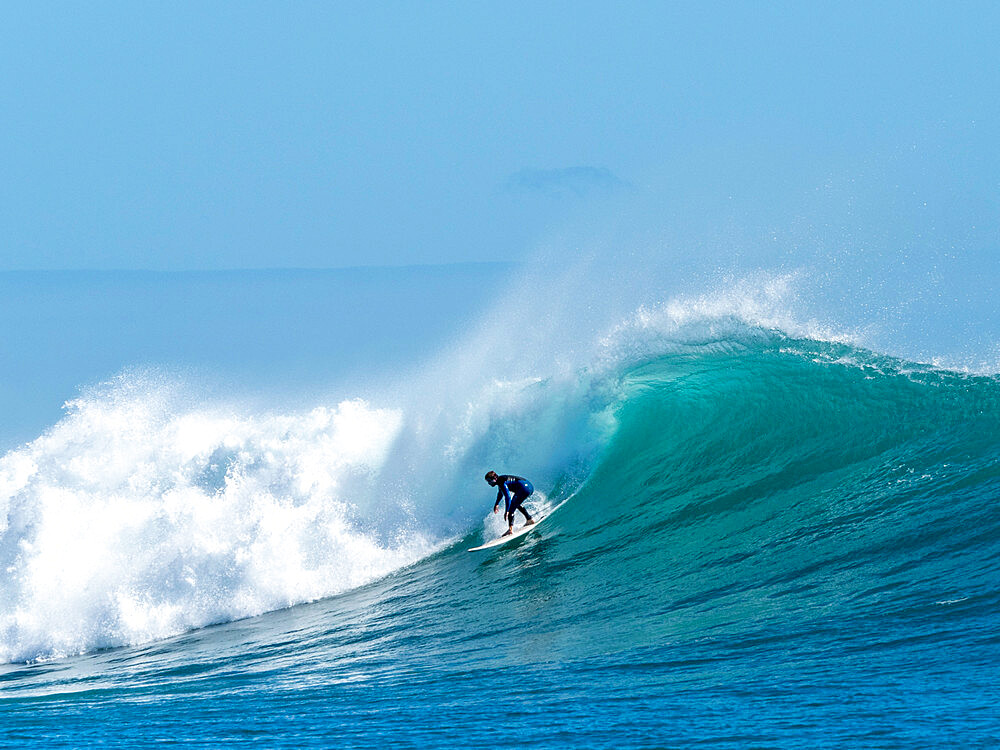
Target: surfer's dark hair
[(490, 476)]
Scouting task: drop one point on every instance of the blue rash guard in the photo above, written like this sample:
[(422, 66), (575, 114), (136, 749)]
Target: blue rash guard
[(508, 485)]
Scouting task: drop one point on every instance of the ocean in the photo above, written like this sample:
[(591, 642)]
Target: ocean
[(235, 508)]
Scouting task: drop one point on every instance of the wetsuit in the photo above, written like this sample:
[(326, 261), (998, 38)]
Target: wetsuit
[(514, 490)]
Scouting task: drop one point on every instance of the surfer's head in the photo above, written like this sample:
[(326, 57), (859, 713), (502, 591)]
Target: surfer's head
[(491, 478)]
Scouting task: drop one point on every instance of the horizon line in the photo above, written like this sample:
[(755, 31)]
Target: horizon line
[(263, 269)]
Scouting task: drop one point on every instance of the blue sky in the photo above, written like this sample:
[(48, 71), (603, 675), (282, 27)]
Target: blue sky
[(250, 135)]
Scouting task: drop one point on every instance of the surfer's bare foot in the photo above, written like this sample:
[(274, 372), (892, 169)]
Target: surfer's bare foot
[(508, 532), (529, 522)]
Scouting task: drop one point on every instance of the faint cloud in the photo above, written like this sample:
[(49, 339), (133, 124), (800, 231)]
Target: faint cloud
[(579, 181)]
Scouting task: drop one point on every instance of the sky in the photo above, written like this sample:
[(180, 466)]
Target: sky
[(186, 136)]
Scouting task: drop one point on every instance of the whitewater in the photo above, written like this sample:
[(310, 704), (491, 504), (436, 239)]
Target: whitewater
[(772, 530)]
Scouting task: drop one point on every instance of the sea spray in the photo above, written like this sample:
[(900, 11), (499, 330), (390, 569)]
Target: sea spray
[(132, 519)]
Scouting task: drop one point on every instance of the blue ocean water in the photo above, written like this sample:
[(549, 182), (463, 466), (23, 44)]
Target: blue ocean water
[(768, 533)]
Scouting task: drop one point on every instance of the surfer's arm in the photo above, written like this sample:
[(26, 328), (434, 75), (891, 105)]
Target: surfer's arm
[(501, 495)]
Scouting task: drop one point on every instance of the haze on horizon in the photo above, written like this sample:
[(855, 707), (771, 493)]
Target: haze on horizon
[(316, 135)]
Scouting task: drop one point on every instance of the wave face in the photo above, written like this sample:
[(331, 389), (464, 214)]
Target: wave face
[(799, 483), (798, 533)]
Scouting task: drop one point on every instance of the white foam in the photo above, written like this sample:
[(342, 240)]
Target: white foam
[(132, 520), (750, 306)]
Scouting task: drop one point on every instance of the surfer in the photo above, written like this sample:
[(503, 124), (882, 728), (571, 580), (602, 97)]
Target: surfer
[(514, 491)]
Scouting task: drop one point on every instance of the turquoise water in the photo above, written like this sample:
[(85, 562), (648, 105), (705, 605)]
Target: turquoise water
[(768, 539)]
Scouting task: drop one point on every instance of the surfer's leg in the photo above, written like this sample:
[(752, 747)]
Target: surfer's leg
[(508, 516), (517, 505), (528, 490)]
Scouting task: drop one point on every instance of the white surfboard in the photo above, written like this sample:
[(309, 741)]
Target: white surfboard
[(518, 533)]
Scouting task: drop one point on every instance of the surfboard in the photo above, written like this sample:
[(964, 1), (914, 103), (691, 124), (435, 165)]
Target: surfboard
[(518, 533)]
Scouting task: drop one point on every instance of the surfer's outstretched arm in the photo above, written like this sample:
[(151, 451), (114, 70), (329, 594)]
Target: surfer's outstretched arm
[(502, 494)]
